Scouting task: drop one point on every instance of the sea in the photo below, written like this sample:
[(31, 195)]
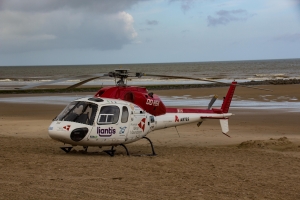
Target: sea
[(224, 71), (12, 77)]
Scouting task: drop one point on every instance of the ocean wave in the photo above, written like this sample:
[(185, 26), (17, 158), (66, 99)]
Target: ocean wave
[(24, 80), (5, 80), (272, 75)]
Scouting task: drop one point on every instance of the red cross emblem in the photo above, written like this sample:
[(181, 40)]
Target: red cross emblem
[(67, 127), (142, 124)]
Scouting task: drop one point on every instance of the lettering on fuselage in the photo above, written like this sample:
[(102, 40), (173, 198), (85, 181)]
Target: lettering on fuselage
[(152, 102), (183, 119), (136, 132), (106, 132)]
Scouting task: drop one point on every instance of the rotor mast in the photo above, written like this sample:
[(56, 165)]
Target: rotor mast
[(121, 74)]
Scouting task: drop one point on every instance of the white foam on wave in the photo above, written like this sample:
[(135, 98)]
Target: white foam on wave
[(5, 80), (270, 75)]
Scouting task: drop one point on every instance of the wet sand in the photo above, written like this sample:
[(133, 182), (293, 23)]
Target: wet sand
[(260, 161)]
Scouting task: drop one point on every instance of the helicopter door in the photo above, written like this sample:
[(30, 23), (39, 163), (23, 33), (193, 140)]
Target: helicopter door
[(124, 125), (111, 126)]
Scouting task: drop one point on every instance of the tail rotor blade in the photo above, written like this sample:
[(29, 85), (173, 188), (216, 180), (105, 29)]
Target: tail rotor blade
[(212, 101)]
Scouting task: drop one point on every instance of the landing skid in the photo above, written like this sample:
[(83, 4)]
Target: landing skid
[(112, 151), (66, 149)]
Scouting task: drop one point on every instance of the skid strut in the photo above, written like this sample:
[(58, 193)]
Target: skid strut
[(66, 149), (85, 148), (111, 152), (153, 152), (127, 152)]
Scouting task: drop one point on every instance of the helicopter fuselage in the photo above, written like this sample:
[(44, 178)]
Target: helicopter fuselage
[(107, 122)]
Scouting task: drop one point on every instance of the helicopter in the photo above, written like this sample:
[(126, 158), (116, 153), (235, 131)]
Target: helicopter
[(121, 114)]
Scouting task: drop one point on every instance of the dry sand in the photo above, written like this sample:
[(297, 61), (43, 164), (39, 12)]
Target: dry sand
[(260, 161)]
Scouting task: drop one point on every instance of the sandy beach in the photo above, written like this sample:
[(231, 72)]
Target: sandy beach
[(260, 161)]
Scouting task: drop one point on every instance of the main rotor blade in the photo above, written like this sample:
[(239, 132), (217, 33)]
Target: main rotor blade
[(86, 80), (43, 83), (59, 80), (203, 79), (184, 77)]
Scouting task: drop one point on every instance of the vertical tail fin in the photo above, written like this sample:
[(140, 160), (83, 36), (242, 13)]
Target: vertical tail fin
[(228, 98)]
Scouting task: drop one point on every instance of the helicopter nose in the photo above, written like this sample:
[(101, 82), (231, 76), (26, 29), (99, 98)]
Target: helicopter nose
[(58, 133), (64, 133), (54, 134)]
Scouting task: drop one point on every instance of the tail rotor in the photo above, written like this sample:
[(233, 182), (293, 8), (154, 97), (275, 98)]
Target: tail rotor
[(212, 101)]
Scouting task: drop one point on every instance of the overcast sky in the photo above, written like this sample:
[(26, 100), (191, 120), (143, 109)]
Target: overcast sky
[(66, 32)]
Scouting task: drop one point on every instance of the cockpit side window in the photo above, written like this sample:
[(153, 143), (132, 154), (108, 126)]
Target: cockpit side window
[(109, 115), (125, 114)]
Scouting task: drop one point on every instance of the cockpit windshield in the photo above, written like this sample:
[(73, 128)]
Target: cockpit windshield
[(80, 112)]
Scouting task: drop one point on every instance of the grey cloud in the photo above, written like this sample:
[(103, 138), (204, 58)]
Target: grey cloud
[(185, 4), (59, 24), (289, 37), (224, 17), (152, 22), (145, 29), (101, 6)]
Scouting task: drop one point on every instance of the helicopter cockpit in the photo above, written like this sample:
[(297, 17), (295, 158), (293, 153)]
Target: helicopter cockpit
[(85, 113), (80, 112)]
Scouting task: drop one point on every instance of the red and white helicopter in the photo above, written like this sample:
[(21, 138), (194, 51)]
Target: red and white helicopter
[(123, 114)]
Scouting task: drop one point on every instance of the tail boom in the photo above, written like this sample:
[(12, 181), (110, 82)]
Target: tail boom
[(180, 116)]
